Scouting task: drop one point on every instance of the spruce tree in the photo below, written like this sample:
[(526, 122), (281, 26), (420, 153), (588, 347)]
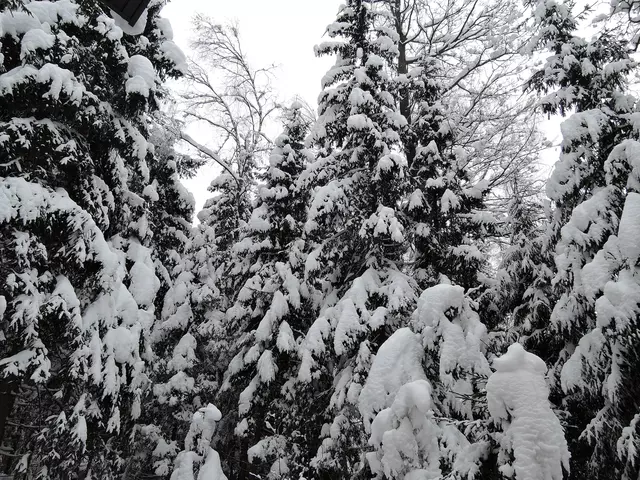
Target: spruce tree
[(264, 429), (82, 242), (445, 203), (589, 189), (355, 230)]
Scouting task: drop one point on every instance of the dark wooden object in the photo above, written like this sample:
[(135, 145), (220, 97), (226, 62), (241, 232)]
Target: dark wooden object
[(130, 10)]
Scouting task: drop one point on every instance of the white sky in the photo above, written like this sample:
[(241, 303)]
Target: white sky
[(280, 32)]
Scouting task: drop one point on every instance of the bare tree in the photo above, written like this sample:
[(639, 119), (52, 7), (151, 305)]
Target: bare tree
[(475, 46), (234, 101)]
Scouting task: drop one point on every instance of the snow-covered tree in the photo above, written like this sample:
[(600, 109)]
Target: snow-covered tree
[(602, 370), (232, 101), (422, 400), (520, 296), (532, 443), (90, 216), (266, 319), (356, 235), (473, 53), (445, 203), (589, 189), (185, 343), (198, 449)]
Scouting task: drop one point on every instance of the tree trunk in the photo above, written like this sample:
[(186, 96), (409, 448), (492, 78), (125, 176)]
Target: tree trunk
[(7, 399), (403, 69)]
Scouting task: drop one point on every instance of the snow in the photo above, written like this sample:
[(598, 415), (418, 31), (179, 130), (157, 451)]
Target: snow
[(406, 436), (398, 361), (418, 426), (142, 76), (183, 469), (327, 200), (246, 396), (35, 39), (174, 54), (277, 310), (267, 368), (517, 396), (583, 127), (211, 470), (629, 228), (164, 25), (383, 223), (285, 340), (197, 448), (184, 355), (359, 121), (21, 361), (63, 11), (449, 201), (60, 80), (17, 23), (596, 273), (313, 343), (27, 201), (453, 330), (122, 343), (416, 200), (348, 326), (144, 283), (616, 292)]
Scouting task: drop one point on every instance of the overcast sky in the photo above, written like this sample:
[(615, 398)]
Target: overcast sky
[(281, 32)]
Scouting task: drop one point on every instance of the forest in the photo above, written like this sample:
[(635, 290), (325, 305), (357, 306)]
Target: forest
[(389, 284)]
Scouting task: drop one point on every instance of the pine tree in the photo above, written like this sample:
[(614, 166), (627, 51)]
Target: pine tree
[(264, 322), (445, 204), (82, 244), (589, 189), (355, 230)]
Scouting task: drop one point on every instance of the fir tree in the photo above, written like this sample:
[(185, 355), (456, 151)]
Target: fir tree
[(83, 191), (266, 319), (355, 231), (589, 188)]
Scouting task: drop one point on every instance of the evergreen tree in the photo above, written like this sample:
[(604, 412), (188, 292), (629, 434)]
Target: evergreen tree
[(265, 422), (422, 401), (589, 189), (355, 232), (603, 369), (198, 448), (532, 444), (521, 294), (84, 242), (445, 204)]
